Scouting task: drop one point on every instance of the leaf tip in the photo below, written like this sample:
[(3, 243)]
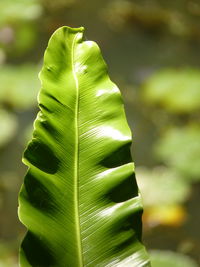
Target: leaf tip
[(70, 29)]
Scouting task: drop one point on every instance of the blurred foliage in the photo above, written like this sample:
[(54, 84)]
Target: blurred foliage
[(168, 182), (168, 258), (175, 17), (179, 148), (165, 215), (8, 255), (17, 10), (158, 73), (19, 86), (8, 126), (176, 90), (59, 4), (18, 31), (161, 210)]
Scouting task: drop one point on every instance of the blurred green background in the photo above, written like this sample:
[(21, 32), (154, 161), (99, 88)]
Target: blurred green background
[(152, 48)]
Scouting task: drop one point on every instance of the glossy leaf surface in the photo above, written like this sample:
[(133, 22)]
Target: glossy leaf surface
[(80, 200)]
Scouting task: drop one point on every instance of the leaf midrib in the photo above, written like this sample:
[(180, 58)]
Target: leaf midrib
[(76, 159)]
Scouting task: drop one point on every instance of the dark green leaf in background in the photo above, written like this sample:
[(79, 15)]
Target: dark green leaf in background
[(19, 86), (176, 90), (168, 258), (8, 126), (180, 149)]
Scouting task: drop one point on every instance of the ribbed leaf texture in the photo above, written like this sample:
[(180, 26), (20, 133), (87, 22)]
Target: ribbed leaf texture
[(79, 200)]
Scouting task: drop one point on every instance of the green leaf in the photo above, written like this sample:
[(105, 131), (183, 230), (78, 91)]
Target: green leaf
[(80, 200), (180, 148), (175, 90), (168, 181), (169, 258), (19, 86), (8, 126), (14, 11), (8, 254)]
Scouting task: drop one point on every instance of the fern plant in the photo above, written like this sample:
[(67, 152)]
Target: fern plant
[(79, 200)]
